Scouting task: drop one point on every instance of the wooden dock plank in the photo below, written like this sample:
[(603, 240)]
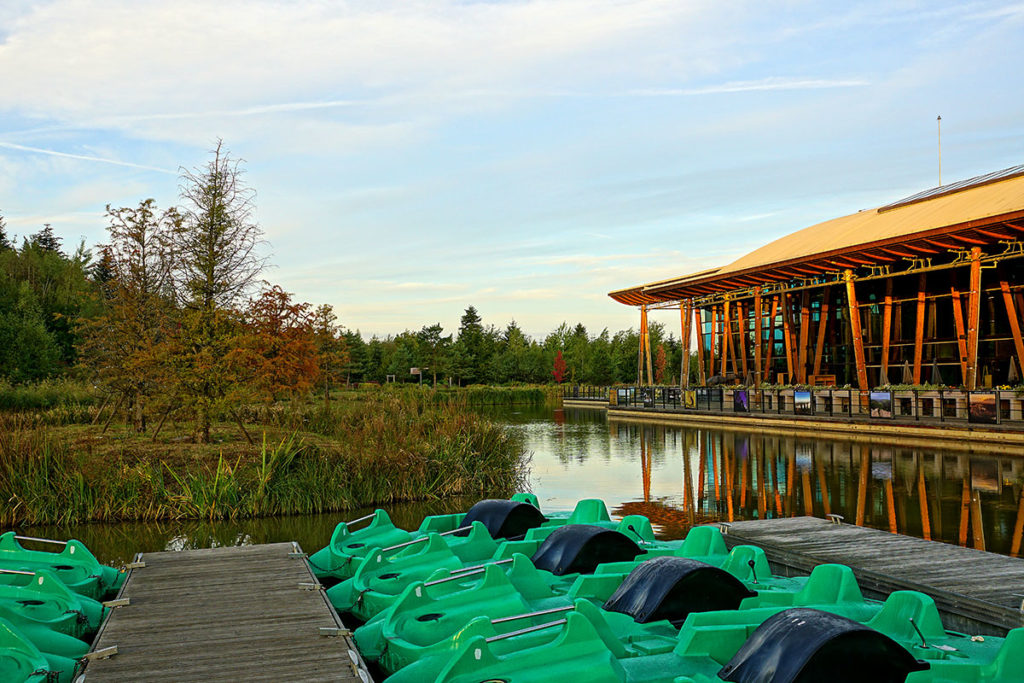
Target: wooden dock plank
[(224, 614), (973, 589)]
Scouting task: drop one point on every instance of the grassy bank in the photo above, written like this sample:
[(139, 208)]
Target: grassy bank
[(383, 447)]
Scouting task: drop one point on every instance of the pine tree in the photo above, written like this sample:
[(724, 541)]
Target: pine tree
[(45, 240), (5, 242), (216, 265)]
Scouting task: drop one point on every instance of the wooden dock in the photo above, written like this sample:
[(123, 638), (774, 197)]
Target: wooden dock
[(244, 613), (975, 591)]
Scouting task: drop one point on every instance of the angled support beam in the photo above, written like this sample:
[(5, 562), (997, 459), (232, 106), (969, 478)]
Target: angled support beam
[(856, 332), (1012, 314), (961, 331)]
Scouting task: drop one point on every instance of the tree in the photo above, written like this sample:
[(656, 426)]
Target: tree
[(331, 350), (216, 265), (123, 346), (46, 240), (559, 369), (468, 351), (434, 346), (659, 364), (280, 351), (5, 242)]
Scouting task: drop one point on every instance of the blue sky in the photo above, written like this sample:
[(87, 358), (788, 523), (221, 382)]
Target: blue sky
[(413, 157)]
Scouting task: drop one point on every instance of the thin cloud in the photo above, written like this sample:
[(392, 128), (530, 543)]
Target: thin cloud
[(766, 84), (84, 157)]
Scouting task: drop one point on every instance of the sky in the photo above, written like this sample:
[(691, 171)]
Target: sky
[(415, 157)]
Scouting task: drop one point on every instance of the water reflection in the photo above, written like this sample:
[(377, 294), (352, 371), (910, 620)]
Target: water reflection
[(682, 475), (117, 544)]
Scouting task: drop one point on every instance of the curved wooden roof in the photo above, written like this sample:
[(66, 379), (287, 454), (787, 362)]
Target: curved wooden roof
[(976, 212)]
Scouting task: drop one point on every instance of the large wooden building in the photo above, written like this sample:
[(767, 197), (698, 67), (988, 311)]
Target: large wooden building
[(926, 290)]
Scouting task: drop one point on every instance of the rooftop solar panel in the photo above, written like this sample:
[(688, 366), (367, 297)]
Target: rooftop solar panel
[(958, 186)]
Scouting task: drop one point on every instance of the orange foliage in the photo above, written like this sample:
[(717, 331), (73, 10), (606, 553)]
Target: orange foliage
[(279, 348)]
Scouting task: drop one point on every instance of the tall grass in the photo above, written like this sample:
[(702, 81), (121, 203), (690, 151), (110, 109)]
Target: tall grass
[(383, 447), (47, 394)]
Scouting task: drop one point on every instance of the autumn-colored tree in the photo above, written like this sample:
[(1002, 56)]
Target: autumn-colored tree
[(559, 369), (660, 361), (216, 265), (123, 347), (332, 357), (278, 355)]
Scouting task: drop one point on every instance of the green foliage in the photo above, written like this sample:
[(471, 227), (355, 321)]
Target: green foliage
[(46, 395), (383, 447)]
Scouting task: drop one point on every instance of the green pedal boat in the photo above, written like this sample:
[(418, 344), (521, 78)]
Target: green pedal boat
[(764, 645), (20, 660), (503, 520), (566, 552), (641, 610), (39, 598), (73, 564)]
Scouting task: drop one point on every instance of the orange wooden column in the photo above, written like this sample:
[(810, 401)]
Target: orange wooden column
[(855, 331), (640, 346), (886, 330), (823, 322), (726, 336), (685, 313), (973, 320), (787, 339), (714, 334), (805, 333), (770, 363), (700, 347), (919, 327), (744, 325), (758, 335)]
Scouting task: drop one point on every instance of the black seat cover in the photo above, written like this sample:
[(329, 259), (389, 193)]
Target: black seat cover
[(503, 518), (801, 645), (579, 548), (673, 587)]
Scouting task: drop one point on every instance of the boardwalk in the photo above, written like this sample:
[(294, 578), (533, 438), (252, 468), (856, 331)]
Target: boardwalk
[(225, 614), (975, 590)]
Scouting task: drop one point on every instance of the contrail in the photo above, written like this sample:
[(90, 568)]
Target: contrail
[(83, 157)]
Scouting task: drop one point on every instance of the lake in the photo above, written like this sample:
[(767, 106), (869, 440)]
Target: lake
[(679, 476)]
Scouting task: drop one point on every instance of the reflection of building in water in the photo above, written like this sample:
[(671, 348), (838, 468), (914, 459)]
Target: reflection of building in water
[(971, 500)]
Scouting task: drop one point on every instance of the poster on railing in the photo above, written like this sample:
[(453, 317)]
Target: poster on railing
[(740, 401), (690, 399), (981, 407), (880, 404), (802, 402)]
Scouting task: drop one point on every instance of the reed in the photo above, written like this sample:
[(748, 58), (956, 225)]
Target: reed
[(380, 448)]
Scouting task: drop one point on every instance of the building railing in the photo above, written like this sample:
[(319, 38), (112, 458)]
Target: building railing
[(992, 406)]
